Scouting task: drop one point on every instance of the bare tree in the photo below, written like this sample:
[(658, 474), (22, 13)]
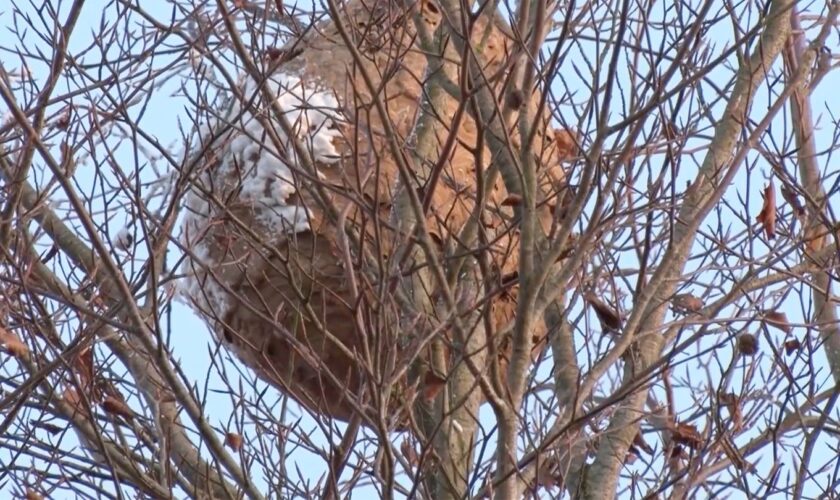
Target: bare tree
[(419, 249)]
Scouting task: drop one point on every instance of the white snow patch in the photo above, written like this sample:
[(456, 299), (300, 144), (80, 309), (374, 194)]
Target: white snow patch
[(262, 177), (124, 239), (457, 426)]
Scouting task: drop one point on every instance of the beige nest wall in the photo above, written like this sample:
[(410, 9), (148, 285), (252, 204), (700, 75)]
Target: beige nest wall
[(292, 227)]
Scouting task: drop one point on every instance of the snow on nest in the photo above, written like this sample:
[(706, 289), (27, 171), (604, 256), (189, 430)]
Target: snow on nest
[(261, 175)]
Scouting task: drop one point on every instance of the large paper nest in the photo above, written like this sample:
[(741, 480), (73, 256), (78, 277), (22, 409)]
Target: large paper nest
[(268, 267)]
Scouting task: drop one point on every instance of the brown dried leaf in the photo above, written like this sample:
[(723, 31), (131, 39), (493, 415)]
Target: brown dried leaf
[(539, 342), (32, 495), (686, 302), (747, 344), (279, 56), (84, 370), (432, 385), (273, 53), (767, 216), (609, 318), (515, 99), (676, 460), (509, 280), (14, 346), (409, 453), (116, 406), (733, 406), (687, 435), (512, 199), (436, 239), (63, 120), (51, 428), (639, 442), (778, 320), (792, 346), (566, 144), (233, 441)]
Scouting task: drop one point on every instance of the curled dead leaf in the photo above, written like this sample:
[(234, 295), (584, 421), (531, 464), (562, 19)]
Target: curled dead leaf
[(32, 495), (117, 406), (62, 122), (687, 303), (515, 99), (409, 453), (50, 428), (233, 441), (732, 404), (767, 216), (13, 345), (273, 53), (509, 280), (747, 344), (687, 434), (566, 144), (640, 443), (512, 199), (432, 385), (85, 371), (792, 346), (676, 461), (778, 320), (609, 318)]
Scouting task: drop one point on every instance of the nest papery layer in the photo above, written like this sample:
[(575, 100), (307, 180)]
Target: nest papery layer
[(271, 265)]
